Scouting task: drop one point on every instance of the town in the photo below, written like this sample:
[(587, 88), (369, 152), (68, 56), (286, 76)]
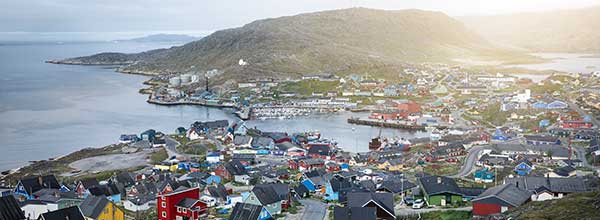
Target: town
[(494, 143)]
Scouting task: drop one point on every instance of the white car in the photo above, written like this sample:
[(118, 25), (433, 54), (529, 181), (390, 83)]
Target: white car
[(419, 203)]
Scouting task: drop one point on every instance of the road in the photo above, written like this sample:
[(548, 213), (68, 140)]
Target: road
[(313, 210), (470, 160)]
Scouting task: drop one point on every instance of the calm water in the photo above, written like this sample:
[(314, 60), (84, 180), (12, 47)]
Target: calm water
[(50, 110), (566, 62)]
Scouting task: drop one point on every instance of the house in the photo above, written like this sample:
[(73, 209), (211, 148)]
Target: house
[(247, 211), (483, 176), (282, 190), (218, 192), (26, 188), (314, 180), (310, 164), (555, 188), (524, 167), (214, 157), (34, 208), (440, 190), (229, 170), (70, 213), (382, 202), (396, 186), (111, 191), (499, 199), (83, 186), (266, 197), (321, 151), (562, 172), (333, 187), (542, 140), (140, 203), (570, 162), (170, 206), (99, 207), (557, 105), (263, 143), (10, 209), (576, 124), (242, 141), (354, 213)]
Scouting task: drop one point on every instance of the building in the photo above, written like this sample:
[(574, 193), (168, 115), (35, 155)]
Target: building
[(26, 188), (247, 211), (524, 167), (354, 213), (71, 213), (542, 140), (171, 203), (440, 190), (266, 197), (545, 188), (99, 207), (499, 199), (382, 202), (9, 209)]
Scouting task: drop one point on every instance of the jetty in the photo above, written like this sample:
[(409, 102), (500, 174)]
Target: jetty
[(392, 124)]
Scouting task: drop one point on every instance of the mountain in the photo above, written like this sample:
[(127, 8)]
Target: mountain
[(356, 40), (573, 30), (164, 38)]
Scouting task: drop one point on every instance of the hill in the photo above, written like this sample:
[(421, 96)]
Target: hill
[(356, 40), (553, 31), (574, 206)]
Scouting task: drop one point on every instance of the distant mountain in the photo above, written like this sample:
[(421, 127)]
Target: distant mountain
[(165, 38), (356, 40), (553, 31)]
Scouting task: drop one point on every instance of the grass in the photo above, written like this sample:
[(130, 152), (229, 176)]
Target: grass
[(307, 87), (574, 206), (159, 156), (440, 215)]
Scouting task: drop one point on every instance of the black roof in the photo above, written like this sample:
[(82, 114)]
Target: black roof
[(433, 185), (245, 211), (361, 199), (89, 183), (33, 184), (10, 209), (235, 167), (125, 178), (471, 191), (321, 150), (218, 191), (507, 193), (210, 124), (301, 189), (71, 213), (187, 203), (282, 190), (564, 185), (396, 185), (266, 195), (92, 206), (354, 213), (338, 183)]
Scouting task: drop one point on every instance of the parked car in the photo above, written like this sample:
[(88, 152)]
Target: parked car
[(419, 203), (409, 201)]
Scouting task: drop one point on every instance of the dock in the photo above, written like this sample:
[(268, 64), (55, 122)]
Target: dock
[(392, 124)]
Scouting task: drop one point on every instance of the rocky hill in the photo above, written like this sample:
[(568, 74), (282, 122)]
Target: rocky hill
[(354, 40), (553, 31)]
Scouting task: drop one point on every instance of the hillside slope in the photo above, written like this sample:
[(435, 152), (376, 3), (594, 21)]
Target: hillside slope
[(339, 41), (553, 31)]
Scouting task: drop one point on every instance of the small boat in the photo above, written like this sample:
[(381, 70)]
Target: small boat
[(313, 135), (375, 144)]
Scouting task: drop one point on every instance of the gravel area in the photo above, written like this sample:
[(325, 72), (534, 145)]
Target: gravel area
[(110, 162)]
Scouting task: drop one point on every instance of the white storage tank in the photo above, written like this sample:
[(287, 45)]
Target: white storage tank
[(175, 81), (195, 78), (186, 78)]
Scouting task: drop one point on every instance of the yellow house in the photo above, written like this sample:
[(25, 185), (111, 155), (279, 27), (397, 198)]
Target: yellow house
[(166, 166), (100, 208), (391, 165)]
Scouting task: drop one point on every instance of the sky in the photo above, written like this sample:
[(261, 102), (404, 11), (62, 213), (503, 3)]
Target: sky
[(122, 19)]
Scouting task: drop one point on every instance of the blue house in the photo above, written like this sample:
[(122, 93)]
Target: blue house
[(539, 105), (544, 123), (27, 187), (523, 168), (148, 135), (309, 185), (212, 179), (334, 186), (557, 105), (484, 175), (499, 135)]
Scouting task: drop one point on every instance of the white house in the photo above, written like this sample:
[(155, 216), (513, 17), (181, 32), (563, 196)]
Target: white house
[(34, 208), (139, 204)]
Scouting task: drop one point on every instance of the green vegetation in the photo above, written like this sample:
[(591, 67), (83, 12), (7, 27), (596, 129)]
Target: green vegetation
[(159, 156), (439, 215), (307, 87), (574, 206), (494, 115)]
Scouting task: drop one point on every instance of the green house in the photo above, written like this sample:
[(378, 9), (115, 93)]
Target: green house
[(440, 191)]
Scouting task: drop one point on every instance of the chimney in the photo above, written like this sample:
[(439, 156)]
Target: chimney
[(439, 180)]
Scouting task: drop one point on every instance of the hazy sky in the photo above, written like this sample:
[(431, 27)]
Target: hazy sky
[(131, 18)]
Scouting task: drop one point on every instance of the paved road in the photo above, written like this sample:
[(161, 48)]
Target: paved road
[(470, 160), (313, 210)]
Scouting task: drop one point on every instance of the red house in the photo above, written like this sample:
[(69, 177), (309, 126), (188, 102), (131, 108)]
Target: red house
[(388, 115), (179, 204), (499, 199), (410, 107), (310, 163), (576, 124)]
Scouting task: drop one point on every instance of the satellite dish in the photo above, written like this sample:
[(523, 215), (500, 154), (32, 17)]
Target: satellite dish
[(242, 62)]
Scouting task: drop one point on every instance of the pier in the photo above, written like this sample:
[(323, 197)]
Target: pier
[(391, 124)]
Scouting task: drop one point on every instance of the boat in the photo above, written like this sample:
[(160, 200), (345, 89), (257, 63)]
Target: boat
[(375, 144), (313, 135)]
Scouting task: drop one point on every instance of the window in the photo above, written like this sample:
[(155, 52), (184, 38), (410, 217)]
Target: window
[(178, 209), (164, 214), (163, 204), (184, 210), (106, 211)]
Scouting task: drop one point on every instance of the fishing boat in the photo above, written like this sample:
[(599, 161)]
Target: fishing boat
[(313, 135)]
